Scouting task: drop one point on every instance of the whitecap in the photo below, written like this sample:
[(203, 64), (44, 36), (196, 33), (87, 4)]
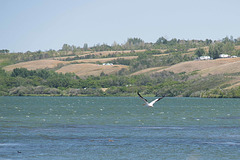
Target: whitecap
[(167, 127), (223, 143), (9, 144)]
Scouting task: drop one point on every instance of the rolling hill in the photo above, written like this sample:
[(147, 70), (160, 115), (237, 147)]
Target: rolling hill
[(228, 68), (203, 68), (37, 64), (87, 69)]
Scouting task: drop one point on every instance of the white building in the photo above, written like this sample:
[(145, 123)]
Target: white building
[(107, 64), (224, 56), (205, 58)]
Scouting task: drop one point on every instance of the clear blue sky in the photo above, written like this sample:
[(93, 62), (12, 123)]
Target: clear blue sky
[(48, 24)]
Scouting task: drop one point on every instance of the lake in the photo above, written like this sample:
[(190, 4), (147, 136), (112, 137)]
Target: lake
[(101, 128)]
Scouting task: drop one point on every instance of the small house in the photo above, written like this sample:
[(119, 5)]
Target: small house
[(205, 58), (224, 56), (107, 64)]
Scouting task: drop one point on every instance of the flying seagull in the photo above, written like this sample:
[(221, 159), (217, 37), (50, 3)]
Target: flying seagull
[(151, 103)]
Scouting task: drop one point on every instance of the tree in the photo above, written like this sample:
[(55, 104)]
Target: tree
[(116, 46), (134, 43), (200, 52), (74, 48), (22, 72), (66, 47), (85, 47), (4, 51), (215, 50), (228, 48), (227, 39), (172, 41), (208, 41), (162, 40)]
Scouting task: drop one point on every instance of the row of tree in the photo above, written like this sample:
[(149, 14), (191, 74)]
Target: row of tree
[(173, 45), (45, 82), (216, 49), (4, 51), (138, 43), (22, 82)]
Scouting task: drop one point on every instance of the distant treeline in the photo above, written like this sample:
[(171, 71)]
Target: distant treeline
[(138, 43), (226, 46), (4, 51), (170, 46)]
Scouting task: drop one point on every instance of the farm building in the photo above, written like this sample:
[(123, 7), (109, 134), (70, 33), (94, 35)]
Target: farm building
[(205, 58), (224, 56), (107, 64)]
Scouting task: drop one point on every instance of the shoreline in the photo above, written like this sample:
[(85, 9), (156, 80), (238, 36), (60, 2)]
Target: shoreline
[(130, 95)]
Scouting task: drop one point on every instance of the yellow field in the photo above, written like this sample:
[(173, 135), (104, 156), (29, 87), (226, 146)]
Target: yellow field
[(87, 66), (218, 66), (52, 63), (88, 69), (38, 64)]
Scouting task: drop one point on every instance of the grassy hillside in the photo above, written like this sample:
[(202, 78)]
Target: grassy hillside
[(88, 69), (37, 64), (170, 70), (206, 67)]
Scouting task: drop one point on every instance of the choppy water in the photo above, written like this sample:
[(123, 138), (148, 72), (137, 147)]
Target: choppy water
[(60, 128)]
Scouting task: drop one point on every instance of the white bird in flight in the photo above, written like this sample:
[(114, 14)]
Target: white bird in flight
[(151, 103)]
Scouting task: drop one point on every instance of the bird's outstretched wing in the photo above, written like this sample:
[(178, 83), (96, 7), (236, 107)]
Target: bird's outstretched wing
[(142, 97), (158, 99)]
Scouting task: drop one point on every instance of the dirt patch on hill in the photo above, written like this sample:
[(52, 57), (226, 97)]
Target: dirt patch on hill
[(234, 83), (38, 64), (83, 70), (102, 60), (231, 67), (237, 47), (218, 66)]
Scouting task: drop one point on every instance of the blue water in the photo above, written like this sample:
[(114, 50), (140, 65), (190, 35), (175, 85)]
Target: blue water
[(101, 128)]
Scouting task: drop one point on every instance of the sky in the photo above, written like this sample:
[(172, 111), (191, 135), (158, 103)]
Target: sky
[(32, 25)]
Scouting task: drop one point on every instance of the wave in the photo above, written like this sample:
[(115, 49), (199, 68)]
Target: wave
[(9, 144)]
